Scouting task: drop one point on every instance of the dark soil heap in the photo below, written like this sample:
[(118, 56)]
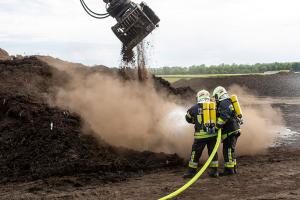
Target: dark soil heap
[(278, 85), (186, 93), (38, 141)]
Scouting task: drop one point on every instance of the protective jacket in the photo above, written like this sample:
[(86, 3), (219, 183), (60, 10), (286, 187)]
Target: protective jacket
[(195, 116), (226, 118)]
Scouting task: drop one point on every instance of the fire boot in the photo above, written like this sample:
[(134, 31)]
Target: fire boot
[(235, 167), (191, 172), (227, 172), (214, 172)]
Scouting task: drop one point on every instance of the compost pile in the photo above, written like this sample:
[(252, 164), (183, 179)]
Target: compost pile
[(282, 84), (184, 92), (39, 141)]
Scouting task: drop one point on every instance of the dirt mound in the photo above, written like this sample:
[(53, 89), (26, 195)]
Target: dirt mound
[(39, 141), (280, 85), (28, 76), (4, 55), (186, 93)]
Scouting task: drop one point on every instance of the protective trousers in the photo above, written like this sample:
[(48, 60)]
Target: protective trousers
[(197, 150), (229, 145)]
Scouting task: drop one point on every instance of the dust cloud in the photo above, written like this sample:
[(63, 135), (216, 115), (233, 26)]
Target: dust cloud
[(262, 122), (128, 113), (134, 115)]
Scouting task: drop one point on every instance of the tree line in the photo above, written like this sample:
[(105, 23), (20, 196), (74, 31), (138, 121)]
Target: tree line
[(227, 69)]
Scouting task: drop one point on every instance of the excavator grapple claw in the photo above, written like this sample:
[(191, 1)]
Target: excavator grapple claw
[(135, 24), (134, 21)]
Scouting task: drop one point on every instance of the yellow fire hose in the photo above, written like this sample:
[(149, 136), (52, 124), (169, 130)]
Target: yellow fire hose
[(197, 176)]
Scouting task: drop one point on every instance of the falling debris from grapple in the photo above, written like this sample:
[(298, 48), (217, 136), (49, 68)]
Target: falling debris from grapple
[(134, 21), (128, 55)]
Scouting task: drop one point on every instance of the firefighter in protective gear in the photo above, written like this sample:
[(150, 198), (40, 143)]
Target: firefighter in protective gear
[(229, 123), (202, 137)]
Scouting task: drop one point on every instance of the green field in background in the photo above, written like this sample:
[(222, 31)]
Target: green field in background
[(174, 78)]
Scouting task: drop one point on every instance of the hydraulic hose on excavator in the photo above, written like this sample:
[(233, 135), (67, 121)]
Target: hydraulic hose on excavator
[(197, 176)]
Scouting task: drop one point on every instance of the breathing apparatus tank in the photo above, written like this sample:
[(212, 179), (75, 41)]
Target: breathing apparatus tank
[(213, 116), (206, 116), (236, 106)]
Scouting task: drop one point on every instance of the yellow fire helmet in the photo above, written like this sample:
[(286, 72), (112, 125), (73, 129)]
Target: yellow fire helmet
[(203, 96), (220, 93)]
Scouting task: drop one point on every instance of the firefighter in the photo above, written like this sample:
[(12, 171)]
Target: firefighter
[(228, 121), (202, 137)]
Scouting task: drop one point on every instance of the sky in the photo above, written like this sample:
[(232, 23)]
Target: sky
[(191, 32)]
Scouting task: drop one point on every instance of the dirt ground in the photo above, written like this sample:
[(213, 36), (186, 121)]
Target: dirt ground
[(39, 163), (274, 175)]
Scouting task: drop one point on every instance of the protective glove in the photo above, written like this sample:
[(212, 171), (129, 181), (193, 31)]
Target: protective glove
[(189, 120)]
